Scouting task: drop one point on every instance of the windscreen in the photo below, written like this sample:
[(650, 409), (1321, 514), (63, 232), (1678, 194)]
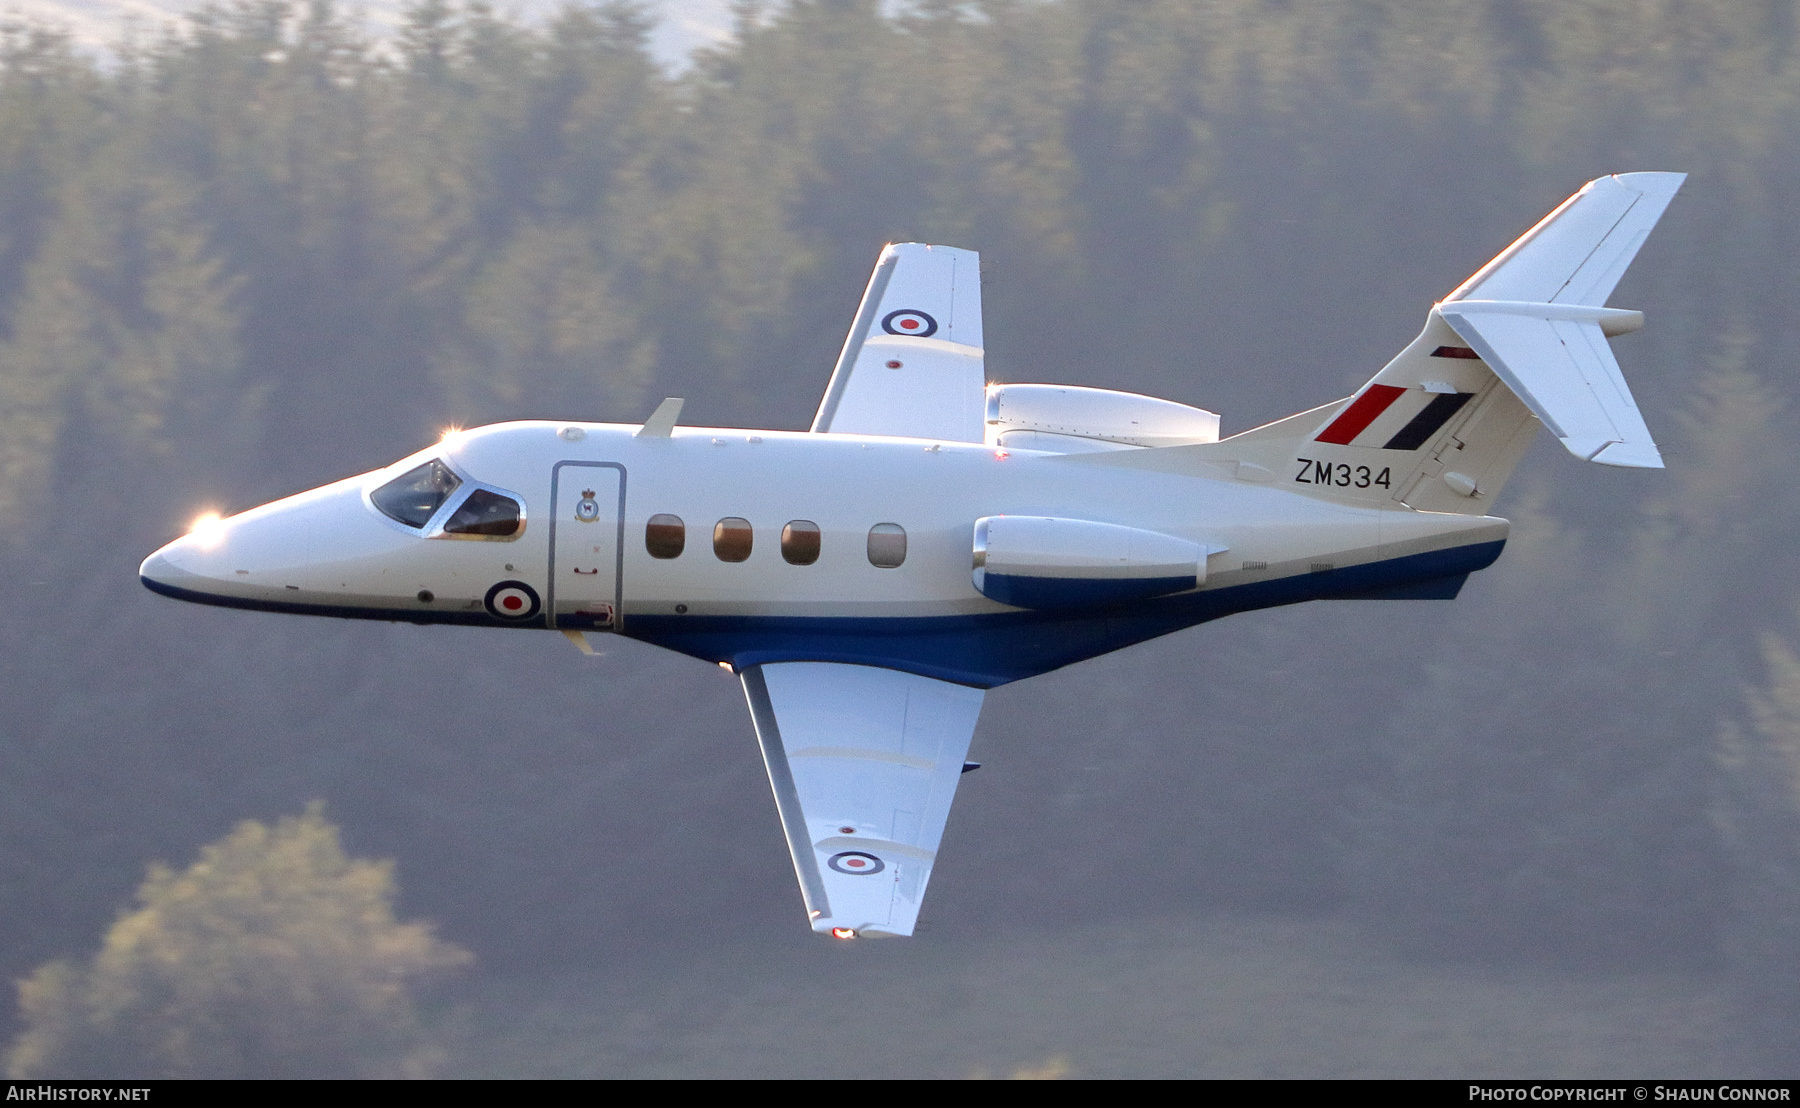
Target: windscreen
[(415, 496), (486, 514)]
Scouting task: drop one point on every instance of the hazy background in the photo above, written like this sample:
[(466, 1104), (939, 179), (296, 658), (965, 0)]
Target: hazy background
[(681, 26), (1550, 828)]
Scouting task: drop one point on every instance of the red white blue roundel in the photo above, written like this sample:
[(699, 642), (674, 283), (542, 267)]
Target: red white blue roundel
[(512, 601), (855, 862), (909, 321)]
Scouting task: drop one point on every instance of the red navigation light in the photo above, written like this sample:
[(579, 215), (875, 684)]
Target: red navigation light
[(843, 932)]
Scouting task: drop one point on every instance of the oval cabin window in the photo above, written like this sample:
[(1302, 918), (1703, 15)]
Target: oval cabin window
[(732, 539), (800, 542), (887, 545), (665, 536)]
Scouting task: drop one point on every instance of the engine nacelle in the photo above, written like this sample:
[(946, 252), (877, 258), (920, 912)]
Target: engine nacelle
[(1071, 419), (1045, 562)]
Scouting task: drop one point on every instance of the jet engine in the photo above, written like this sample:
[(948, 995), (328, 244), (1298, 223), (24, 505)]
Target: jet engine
[(1070, 419), (1044, 562)]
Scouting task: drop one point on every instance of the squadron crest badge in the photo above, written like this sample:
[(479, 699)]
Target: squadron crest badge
[(587, 509)]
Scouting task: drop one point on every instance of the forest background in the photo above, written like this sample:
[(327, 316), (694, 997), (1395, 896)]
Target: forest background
[(270, 251)]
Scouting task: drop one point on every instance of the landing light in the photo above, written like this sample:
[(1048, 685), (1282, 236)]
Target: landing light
[(843, 932), (208, 528)]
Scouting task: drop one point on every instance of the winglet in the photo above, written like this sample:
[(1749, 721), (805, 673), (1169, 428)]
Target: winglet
[(662, 421)]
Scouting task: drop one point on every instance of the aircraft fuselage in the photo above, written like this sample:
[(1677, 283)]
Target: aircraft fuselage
[(581, 556)]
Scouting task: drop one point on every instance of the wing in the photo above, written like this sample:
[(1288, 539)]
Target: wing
[(864, 763), (913, 364)]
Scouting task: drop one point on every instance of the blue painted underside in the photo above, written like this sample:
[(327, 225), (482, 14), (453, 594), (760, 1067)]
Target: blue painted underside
[(979, 650), (1078, 592), (989, 650)]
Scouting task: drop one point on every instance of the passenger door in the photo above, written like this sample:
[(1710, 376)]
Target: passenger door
[(587, 545)]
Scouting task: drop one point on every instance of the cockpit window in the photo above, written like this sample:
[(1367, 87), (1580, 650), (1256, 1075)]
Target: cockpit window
[(485, 515), (415, 496)]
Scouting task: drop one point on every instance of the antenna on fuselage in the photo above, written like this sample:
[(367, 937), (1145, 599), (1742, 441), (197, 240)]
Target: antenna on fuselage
[(662, 420)]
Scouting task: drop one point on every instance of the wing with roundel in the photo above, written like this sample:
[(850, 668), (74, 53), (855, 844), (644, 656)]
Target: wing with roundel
[(864, 763), (913, 363)]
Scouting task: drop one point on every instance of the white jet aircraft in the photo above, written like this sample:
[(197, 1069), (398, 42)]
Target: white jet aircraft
[(933, 536)]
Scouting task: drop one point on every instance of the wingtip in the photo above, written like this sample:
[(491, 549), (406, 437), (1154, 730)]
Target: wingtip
[(866, 931), (1653, 182), (1628, 455)]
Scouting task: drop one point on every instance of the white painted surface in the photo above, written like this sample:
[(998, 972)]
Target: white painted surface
[(1577, 253), (874, 758), (912, 364), (1105, 414), (1557, 360), (1044, 546)]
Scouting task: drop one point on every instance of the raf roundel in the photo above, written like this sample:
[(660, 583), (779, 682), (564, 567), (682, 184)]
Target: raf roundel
[(856, 862), (909, 321), (512, 601)]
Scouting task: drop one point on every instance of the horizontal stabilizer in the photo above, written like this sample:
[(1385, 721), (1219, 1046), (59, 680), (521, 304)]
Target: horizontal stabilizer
[(1556, 359)]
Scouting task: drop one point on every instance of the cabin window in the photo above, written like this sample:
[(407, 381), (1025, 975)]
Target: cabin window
[(800, 542), (665, 536), (887, 545), (415, 496), (486, 515), (732, 539)]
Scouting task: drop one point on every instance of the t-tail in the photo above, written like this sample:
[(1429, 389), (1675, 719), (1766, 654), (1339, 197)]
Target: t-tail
[(1523, 342)]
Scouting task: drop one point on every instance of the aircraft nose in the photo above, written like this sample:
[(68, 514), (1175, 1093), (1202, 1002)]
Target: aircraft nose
[(278, 554), (157, 570), (191, 562)]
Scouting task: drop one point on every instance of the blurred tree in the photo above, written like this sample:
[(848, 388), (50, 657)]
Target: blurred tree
[(274, 955), (1758, 813), (265, 252)]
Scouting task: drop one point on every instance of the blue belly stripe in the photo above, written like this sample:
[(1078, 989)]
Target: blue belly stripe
[(994, 649), (1077, 592)]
